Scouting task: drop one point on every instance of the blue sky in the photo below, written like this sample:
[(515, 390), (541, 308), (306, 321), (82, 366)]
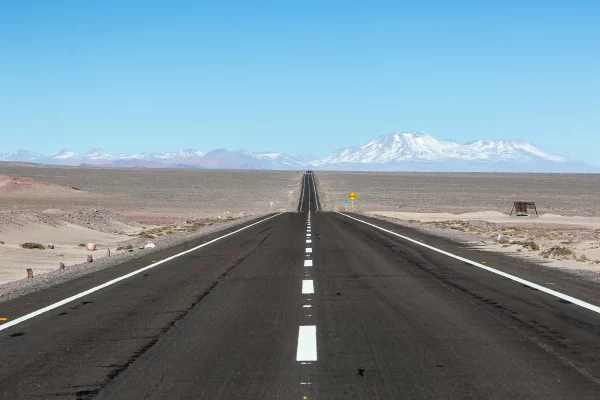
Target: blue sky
[(299, 77)]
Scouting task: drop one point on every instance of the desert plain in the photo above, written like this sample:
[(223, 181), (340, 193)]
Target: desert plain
[(122, 210)]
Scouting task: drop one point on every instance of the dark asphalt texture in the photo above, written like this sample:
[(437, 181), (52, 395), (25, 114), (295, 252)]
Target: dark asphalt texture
[(394, 321)]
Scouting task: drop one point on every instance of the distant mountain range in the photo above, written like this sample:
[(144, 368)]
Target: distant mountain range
[(403, 151)]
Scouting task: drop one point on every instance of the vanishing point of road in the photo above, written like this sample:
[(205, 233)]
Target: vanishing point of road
[(307, 305)]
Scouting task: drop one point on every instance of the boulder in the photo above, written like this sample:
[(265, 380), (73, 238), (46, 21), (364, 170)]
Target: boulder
[(61, 266), (90, 258), (91, 246), (50, 246), (150, 246)]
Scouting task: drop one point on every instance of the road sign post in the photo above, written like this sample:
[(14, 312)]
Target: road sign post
[(271, 204), (352, 197), (346, 204)]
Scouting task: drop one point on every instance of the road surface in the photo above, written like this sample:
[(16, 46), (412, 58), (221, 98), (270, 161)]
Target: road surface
[(307, 305)]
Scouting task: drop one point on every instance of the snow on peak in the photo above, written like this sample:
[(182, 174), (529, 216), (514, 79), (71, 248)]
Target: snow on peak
[(419, 146), (63, 154)]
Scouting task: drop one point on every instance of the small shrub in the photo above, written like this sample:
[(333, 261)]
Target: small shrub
[(558, 252), (82, 245), (38, 246), (146, 235), (531, 245), (1, 242), (583, 257), (128, 247)]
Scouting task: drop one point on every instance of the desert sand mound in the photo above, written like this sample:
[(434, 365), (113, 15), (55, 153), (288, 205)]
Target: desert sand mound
[(17, 186)]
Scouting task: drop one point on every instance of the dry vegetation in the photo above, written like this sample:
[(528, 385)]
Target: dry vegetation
[(37, 246), (547, 243)]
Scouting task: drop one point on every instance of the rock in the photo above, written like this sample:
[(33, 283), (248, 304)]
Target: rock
[(61, 266), (108, 252), (90, 258), (91, 246), (29, 273), (500, 236), (150, 246), (50, 246)]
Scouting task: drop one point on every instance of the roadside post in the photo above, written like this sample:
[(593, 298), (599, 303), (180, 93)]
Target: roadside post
[(352, 197), (346, 204), (271, 204)]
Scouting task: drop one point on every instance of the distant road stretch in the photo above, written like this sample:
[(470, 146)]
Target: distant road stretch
[(307, 305)]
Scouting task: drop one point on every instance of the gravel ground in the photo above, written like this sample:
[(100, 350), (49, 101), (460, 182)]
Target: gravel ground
[(25, 286), (563, 194), (160, 195)]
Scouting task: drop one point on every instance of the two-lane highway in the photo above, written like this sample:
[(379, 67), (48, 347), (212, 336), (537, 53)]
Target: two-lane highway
[(309, 305)]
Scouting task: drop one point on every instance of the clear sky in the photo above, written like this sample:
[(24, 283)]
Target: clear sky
[(298, 77)]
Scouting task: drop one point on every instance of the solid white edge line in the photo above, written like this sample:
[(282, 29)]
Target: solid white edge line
[(303, 189), (309, 198), (315, 188), (308, 287), (113, 281), (307, 343), (544, 289)]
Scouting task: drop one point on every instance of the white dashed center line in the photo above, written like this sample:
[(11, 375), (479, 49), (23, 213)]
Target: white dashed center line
[(308, 263), (307, 286), (308, 241), (309, 249), (307, 343)]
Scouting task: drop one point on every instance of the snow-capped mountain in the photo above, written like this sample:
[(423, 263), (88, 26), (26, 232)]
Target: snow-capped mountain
[(22, 155), (420, 147), (403, 151)]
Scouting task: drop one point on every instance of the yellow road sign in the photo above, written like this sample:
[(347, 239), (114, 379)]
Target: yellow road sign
[(352, 196)]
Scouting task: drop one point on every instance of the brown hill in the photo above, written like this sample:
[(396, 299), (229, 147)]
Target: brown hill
[(11, 186)]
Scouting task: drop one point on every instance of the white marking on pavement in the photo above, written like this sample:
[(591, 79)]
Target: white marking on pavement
[(303, 189), (308, 263), (307, 306), (307, 286), (113, 281), (309, 249), (309, 200), (544, 289), (307, 343), (308, 241), (315, 188), (308, 235)]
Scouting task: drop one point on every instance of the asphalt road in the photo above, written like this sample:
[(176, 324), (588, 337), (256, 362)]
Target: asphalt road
[(236, 319)]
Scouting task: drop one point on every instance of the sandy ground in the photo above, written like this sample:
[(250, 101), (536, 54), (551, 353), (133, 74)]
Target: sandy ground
[(69, 206), (571, 243), (561, 194), (66, 239)]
